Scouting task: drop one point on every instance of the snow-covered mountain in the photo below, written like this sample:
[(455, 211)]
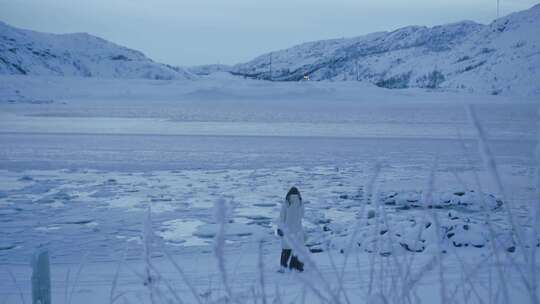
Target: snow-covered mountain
[(501, 57), (33, 53)]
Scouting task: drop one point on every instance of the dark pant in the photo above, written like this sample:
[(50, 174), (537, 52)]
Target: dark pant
[(294, 264)]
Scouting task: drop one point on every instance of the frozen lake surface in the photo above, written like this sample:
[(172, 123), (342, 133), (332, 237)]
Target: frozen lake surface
[(165, 152), (78, 172)]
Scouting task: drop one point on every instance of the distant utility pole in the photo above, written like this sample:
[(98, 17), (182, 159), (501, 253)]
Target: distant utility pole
[(270, 67), (357, 70)]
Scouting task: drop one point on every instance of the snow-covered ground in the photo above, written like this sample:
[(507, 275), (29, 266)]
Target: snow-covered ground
[(81, 160)]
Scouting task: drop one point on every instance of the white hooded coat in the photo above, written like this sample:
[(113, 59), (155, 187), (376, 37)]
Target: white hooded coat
[(290, 221)]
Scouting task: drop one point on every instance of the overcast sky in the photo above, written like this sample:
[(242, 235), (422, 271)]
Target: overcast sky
[(192, 32)]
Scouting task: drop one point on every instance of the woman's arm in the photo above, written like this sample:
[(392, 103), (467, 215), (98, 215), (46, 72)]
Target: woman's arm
[(282, 214), (280, 221)]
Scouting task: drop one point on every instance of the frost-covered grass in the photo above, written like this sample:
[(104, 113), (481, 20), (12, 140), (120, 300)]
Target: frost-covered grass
[(365, 260), (446, 274), (394, 277)]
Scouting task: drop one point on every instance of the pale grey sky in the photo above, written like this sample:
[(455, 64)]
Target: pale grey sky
[(191, 32)]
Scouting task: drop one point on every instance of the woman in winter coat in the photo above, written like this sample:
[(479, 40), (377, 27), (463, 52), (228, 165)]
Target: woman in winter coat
[(290, 225)]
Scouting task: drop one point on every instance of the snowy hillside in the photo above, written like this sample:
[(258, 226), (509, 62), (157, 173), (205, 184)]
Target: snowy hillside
[(33, 53), (499, 58)]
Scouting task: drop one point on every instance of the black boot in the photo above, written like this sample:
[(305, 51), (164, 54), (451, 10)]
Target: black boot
[(285, 255), (296, 264)]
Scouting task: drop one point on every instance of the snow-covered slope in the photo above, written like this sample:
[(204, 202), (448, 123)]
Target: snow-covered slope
[(34, 53), (501, 57)]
